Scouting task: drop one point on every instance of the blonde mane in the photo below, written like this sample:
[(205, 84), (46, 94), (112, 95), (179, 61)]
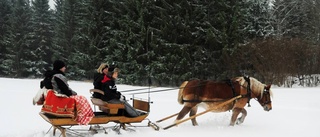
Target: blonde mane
[(255, 85)]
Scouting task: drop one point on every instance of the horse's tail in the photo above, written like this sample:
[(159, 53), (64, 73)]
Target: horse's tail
[(180, 94)]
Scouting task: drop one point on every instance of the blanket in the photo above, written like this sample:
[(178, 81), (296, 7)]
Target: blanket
[(75, 106), (59, 106), (84, 112)]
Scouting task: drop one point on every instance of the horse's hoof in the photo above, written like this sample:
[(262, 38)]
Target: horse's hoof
[(231, 125), (239, 122)]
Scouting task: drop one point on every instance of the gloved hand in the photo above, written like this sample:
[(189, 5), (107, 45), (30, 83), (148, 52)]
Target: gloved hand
[(122, 98), (74, 93)]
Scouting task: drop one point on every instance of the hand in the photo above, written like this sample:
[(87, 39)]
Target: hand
[(74, 93), (122, 98), (118, 93)]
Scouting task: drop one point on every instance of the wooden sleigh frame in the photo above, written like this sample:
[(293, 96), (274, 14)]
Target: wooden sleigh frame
[(109, 113)]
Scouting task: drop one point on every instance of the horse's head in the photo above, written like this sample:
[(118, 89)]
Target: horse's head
[(265, 98), (260, 91)]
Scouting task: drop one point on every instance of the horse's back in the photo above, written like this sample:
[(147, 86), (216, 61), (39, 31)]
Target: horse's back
[(209, 94), (211, 89)]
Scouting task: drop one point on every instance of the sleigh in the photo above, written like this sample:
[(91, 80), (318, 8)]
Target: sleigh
[(107, 113)]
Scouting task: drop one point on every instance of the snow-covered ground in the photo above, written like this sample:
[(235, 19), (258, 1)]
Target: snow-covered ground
[(295, 113)]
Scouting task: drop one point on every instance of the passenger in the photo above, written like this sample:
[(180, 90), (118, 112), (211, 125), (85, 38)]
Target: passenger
[(59, 81), (60, 85), (102, 71), (45, 84), (111, 95)]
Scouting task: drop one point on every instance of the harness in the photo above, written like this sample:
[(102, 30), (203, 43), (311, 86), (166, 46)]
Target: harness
[(229, 82), (247, 79), (265, 91), (200, 87)]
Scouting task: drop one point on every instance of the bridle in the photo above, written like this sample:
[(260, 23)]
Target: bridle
[(259, 97), (265, 93)]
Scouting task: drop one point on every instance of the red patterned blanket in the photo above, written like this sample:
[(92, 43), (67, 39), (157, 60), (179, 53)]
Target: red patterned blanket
[(59, 106), (76, 107)]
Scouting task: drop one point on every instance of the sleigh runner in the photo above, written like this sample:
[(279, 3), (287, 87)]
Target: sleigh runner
[(107, 113)]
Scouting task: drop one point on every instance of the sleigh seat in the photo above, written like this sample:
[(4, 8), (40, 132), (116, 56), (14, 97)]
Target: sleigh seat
[(109, 108)]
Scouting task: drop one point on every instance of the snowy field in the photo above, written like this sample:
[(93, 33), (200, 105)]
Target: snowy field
[(295, 113)]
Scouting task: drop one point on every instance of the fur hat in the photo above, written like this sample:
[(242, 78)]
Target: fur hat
[(58, 64)]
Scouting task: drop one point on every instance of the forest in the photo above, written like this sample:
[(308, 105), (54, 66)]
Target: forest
[(164, 42)]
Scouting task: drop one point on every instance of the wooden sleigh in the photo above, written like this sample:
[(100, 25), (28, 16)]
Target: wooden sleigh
[(107, 113)]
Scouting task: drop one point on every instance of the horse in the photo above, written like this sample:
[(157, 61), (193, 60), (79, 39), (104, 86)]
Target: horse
[(213, 95)]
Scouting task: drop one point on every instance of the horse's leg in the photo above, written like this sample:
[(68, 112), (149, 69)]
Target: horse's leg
[(235, 113), (193, 112), (184, 111), (243, 116)]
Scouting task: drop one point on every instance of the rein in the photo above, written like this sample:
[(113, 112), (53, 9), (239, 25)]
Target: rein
[(162, 90), (248, 95)]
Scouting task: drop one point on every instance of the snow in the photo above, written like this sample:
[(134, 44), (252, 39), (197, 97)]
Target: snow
[(295, 113), (52, 4)]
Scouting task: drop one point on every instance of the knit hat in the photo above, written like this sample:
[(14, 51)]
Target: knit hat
[(58, 64), (111, 68)]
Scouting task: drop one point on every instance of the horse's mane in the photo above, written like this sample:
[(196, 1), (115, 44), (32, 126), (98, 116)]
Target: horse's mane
[(255, 85)]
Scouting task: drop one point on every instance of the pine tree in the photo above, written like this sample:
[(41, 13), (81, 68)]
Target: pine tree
[(65, 28), (18, 42), (5, 11), (60, 29), (100, 26), (80, 59), (42, 33), (258, 20), (126, 34)]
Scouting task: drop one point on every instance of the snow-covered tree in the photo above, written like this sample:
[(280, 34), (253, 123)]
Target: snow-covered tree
[(41, 36), (16, 59), (5, 13)]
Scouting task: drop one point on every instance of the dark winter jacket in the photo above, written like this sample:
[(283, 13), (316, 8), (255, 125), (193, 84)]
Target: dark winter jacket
[(109, 89), (97, 83), (46, 82)]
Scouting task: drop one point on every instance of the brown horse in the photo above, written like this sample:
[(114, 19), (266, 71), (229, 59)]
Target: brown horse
[(213, 94)]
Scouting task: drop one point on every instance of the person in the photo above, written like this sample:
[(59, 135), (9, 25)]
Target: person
[(102, 71), (59, 81), (61, 86), (45, 85), (46, 82), (111, 95)]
